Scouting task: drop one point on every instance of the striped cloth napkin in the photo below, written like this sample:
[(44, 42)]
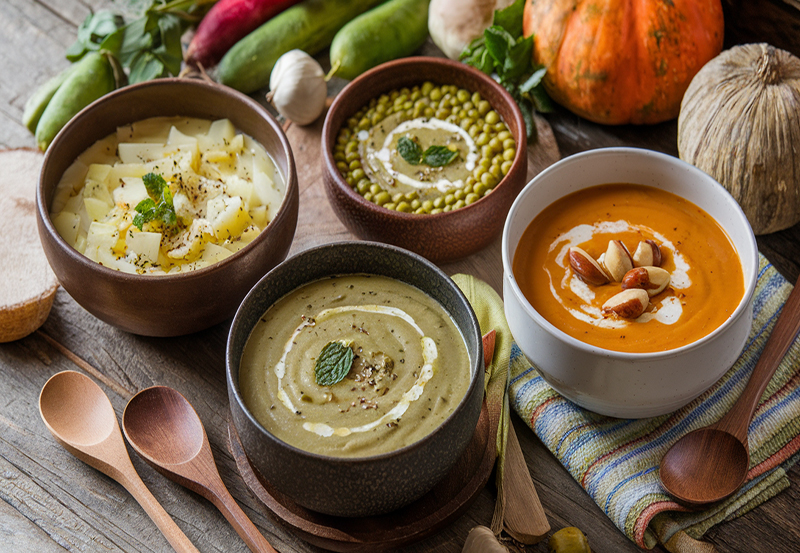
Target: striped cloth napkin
[(616, 460)]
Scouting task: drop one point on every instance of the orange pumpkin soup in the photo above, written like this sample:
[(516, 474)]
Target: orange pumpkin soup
[(706, 282)]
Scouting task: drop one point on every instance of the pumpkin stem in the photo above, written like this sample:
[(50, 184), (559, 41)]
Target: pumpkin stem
[(769, 68)]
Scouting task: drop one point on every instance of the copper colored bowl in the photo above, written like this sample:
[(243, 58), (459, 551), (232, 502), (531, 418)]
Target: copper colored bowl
[(179, 304), (440, 237)]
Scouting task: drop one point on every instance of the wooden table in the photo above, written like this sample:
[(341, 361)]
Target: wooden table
[(51, 501)]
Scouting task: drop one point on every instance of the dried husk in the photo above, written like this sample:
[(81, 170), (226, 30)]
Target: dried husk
[(740, 123)]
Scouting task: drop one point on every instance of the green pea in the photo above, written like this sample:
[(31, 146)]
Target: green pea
[(468, 105), (449, 199), (435, 210), (355, 164), (415, 94), (358, 174), (417, 112), (471, 198), (394, 94), (509, 143), (398, 197), (420, 211), (509, 154), (429, 112), (350, 180), (459, 194), (459, 204), (415, 204), (363, 186), (352, 123), (480, 189), (492, 118), (473, 113), (404, 207), (504, 135), (352, 146), (489, 180), (500, 127), (447, 208), (427, 87), (342, 166), (390, 205), (427, 206), (352, 156), (483, 107), (462, 95), (495, 144), (476, 98), (454, 102), (482, 139), (368, 196), (375, 189), (438, 203), (411, 195), (485, 162), (364, 124), (495, 170), (467, 188), (488, 129), (478, 172), (486, 151), (473, 131), (452, 118), (461, 114), (382, 198), (436, 94), (338, 156), (380, 108), (465, 123), (506, 167), (408, 104)]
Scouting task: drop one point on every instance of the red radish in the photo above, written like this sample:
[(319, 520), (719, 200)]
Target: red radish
[(228, 22)]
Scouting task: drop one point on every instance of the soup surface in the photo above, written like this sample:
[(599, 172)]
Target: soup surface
[(426, 149), (706, 281), (410, 367), (167, 195)]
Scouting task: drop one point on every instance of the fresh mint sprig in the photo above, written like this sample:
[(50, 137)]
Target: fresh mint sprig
[(434, 156), (159, 206), (503, 50), (334, 362)]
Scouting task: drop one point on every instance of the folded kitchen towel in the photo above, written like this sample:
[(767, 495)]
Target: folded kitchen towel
[(616, 460)]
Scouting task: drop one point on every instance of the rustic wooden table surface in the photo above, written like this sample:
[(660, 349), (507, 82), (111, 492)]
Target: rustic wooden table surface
[(51, 501)]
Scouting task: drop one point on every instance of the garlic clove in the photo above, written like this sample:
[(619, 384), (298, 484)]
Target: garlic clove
[(297, 87)]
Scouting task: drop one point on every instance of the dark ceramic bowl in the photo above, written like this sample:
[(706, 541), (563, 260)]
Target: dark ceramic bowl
[(167, 305), (367, 485), (439, 237)]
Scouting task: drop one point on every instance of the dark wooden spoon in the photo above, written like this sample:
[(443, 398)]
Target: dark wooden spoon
[(164, 429), (711, 463)]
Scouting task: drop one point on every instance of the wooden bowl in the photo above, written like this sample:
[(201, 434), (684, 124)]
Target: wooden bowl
[(439, 237), (168, 305), (356, 486)]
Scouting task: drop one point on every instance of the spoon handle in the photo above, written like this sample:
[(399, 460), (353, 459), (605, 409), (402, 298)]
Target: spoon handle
[(175, 536), (783, 334), (239, 520)]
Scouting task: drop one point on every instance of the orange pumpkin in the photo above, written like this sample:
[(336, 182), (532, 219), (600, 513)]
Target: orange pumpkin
[(622, 61)]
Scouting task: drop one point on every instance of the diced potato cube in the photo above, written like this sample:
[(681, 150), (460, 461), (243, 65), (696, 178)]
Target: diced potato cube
[(235, 145), (100, 240), (103, 152), (144, 244), (177, 138), (98, 172), (125, 170), (155, 129), (259, 216), (221, 132), (236, 186), (266, 192), (96, 209), (140, 152), (130, 192), (67, 225), (213, 254), (228, 217)]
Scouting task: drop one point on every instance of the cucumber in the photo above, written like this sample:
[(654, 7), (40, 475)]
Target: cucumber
[(309, 26), (38, 101), (393, 30), (91, 78)]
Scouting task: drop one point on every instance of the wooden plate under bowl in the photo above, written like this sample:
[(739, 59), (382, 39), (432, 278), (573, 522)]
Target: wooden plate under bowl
[(439, 507)]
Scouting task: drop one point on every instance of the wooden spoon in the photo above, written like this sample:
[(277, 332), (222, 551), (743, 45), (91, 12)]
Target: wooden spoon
[(80, 417), (163, 427), (711, 463)]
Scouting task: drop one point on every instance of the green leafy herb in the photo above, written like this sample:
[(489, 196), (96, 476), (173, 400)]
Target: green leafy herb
[(409, 150), (148, 47), (503, 50), (435, 156), (438, 156), (159, 206), (333, 363)]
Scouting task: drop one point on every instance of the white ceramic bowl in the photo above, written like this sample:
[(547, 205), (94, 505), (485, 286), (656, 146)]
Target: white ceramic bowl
[(628, 385)]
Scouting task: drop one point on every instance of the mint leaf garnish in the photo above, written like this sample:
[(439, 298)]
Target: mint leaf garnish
[(409, 150), (159, 206), (438, 156), (333, 363)]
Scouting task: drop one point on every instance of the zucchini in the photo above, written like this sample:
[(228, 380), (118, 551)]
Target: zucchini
[(393, 30), (38, 101), (309, 26)]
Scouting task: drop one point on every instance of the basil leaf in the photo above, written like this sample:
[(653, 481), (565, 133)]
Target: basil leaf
[(518, 59), (169, 52), (409, 150), (438, 156), (333, 363), (510, 18), (146, 212), (533, 81), (541, 100), (145, 68), (159, 206), (498, 43)]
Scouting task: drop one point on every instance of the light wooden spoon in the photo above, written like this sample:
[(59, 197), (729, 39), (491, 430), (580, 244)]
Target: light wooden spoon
[(163, 427), (80, 416), (711, 463)]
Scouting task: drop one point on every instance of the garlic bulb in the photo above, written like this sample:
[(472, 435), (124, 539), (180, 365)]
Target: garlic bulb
[(739, 123), (453, 24), (297, 87)]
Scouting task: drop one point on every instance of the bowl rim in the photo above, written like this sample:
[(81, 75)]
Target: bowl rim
[(329, 133), (476, 365), (290, 181), (584, 157)]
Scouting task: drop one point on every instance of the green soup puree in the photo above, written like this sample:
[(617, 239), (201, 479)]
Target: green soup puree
[(410, 367)]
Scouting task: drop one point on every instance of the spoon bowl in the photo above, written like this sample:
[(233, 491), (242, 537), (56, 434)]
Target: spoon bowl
[(81, 418), (711, 463), (165, 430)]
